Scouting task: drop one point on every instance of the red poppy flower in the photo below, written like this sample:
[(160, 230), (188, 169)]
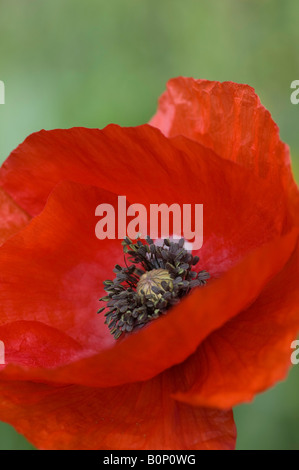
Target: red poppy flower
[(67, 383)]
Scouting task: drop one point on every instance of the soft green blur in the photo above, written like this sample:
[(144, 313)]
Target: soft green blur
[(88, 63)]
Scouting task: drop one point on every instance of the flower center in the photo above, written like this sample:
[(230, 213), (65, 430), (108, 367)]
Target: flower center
[(157, 278), (154, 279)]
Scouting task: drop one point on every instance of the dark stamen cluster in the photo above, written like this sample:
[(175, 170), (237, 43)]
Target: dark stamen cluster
[(131, 305)]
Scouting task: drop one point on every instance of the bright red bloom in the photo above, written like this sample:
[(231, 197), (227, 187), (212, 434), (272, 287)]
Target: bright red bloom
[(171, 385)]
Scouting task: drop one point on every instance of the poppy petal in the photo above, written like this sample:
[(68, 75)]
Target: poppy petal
[(227, 118), (137, 416), (12, 217), (35, 344), (58, 265), (66, 254), (148, 168), (139, 162), (252, 351), (61, 289)]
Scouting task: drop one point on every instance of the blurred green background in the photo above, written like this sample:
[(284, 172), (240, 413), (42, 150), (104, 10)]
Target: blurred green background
[(88, 63)]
